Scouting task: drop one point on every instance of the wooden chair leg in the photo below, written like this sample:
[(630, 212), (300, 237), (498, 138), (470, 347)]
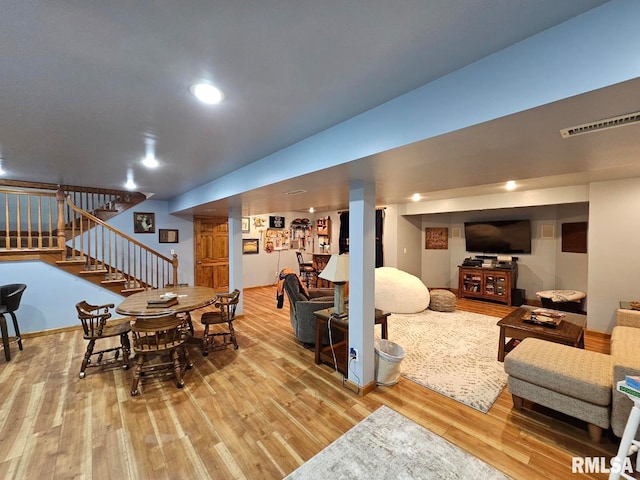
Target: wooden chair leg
[(232, 335), (87, 358), (177, 368), (205, 341), (187, 360), (136, 375), (126, 350)]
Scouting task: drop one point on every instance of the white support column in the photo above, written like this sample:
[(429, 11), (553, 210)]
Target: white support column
[(362, 229), (235, 253)]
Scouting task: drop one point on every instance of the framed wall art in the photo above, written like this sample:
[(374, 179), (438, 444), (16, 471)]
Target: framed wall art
[(144, 222), (276, 222), (436, 238), (166, 235), (250, 246), (245, 224)]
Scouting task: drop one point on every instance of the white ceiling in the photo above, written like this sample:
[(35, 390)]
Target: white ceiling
[(83, 83)]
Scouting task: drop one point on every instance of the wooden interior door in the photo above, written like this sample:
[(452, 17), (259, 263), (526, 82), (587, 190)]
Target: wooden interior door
[(212, 252)]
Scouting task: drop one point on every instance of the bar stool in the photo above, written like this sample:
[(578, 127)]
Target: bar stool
[(10, 296)]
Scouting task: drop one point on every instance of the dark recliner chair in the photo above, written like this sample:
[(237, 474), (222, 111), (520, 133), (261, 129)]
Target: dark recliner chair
[(301, 308)]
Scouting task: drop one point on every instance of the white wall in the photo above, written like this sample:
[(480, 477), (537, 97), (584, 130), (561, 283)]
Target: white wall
[(263, 268), (546, 267), (614, 263), (51, 295), (184, 249)]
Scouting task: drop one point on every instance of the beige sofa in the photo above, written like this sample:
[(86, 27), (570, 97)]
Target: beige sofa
[(578, 382)]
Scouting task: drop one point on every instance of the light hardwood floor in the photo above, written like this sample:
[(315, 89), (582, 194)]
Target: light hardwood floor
[(257, 413)]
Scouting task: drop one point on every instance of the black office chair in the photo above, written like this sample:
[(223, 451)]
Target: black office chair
[(10, 296)]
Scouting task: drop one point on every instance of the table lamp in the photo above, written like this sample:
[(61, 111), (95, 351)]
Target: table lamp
[(337, 271)]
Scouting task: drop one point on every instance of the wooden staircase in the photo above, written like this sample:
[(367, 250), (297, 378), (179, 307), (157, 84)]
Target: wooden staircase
[(58, 228)]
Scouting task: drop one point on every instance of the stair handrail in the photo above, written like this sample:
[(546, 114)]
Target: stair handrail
[(124, 256)]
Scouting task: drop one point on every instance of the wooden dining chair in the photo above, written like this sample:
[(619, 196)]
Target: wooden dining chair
[(162, 337), (185, 315), (308, 273), (225, 305), (97, 326)]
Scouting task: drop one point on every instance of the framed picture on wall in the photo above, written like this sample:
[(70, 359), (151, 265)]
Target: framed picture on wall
[(436, 238), (144, 222), (166, 235), (250, 246), (245, 224)]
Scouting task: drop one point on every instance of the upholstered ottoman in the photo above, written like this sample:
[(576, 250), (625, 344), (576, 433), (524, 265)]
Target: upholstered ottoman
[(566, 379), (442, 301)]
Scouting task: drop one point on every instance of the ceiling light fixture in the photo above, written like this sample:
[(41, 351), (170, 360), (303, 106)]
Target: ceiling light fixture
[(311, 210), (150, 161), (416, 197), (206, 93), (510, 185), (130, 185)]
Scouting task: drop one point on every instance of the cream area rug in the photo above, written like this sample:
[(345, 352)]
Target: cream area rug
[(387, 445), (453, 353)]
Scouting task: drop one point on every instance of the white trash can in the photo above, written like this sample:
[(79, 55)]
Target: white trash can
[(388, 357)]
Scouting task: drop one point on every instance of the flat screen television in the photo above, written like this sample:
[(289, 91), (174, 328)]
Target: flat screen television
[(504, 236)]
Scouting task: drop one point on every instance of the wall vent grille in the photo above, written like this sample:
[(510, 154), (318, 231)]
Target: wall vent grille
[(604, 124)]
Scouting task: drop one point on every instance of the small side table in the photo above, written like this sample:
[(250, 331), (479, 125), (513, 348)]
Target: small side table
[(339, 349), (628, 437)]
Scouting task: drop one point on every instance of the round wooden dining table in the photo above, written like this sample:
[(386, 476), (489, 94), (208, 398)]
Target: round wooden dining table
[(189, 298)]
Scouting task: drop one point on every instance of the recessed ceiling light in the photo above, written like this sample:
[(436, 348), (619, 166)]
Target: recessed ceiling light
[(206, 93), (130, 185), (416, 197), (150, 161), (311, 210), (511, 185)]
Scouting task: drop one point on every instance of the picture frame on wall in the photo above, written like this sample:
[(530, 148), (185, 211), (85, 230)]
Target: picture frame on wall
[(245, 224), (144, 222), (436, 238), (250, 246), (276, 222), (167, 235)]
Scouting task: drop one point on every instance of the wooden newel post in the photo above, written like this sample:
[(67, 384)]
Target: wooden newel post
[(60, 198), (174, 263)]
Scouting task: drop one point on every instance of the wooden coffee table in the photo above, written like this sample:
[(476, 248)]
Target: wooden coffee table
[(569, 332)]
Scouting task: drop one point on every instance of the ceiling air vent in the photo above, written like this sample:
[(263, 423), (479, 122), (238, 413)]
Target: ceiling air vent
[(612, 122), (295, 192)]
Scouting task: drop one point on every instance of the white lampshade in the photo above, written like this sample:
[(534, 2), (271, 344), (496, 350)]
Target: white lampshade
[(337, 269)]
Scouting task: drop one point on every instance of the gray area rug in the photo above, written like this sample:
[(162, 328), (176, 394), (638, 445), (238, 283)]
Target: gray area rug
[(453, 353), (389, 446)]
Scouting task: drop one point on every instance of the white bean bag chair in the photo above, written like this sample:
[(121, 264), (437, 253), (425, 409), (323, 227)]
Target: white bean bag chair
[(400, 292)]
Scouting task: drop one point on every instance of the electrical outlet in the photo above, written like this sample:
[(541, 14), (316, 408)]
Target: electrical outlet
[(353, 354)]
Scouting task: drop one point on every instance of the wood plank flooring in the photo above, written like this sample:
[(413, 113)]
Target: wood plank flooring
[(256, 413)]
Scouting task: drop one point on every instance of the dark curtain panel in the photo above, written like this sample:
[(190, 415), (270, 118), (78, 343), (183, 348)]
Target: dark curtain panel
[(343, 241), (379, 228)]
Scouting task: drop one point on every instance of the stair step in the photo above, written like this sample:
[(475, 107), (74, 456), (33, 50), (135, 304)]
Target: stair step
[(71, 262), (94, 272), (133, 290), (117, 281)]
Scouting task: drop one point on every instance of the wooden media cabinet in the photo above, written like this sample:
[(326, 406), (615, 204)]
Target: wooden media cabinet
[(488, 283)]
